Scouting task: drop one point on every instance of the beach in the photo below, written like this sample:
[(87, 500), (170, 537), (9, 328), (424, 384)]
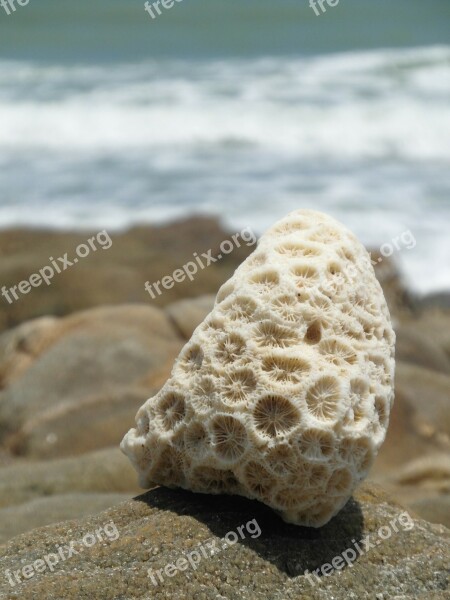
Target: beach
[(145, 148)]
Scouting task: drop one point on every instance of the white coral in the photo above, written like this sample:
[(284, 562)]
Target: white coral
[(283, 393)]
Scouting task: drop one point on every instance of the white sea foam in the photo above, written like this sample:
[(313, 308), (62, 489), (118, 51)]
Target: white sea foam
[(364, 136), (367, 104)]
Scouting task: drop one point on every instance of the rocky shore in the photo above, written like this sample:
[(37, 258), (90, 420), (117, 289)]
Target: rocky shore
[(79, 356)]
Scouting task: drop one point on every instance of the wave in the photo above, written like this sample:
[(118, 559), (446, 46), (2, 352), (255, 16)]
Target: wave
[(370, 104), (361, 135)]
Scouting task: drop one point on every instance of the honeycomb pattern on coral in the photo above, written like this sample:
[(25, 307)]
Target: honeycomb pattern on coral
[(283, 393)]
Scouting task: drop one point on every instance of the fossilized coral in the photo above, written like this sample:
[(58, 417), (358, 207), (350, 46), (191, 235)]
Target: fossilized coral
[(283, 393)]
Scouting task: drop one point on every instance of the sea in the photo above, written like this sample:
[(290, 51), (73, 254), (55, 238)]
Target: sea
[(241, 109)]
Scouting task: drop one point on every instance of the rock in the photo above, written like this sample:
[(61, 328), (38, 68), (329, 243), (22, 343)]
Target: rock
[(19, 347), (116, 274), (400, 300), (434, 325), (433, 469), (407, 557), (407, 437), (80, 426), (435, 510), (5, 458), (64, 376), (419, 420), (429, 393), (440, 300), (43, 511), (113, 274), (425, 492), (187, 314), (416, 346), (414, 461), (102, 471)]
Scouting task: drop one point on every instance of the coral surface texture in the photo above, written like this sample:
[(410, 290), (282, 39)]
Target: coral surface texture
[(283, 393)]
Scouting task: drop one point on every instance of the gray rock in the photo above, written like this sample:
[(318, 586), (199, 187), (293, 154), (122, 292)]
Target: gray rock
[(416, 346), (400, 300), (55, 369), (428, 393), (435, 325), (43, 511), (407, 558), (114, 275), (103, 471), (187, 314), (439, 300), (423, 485), (79, 426), (435, 510)]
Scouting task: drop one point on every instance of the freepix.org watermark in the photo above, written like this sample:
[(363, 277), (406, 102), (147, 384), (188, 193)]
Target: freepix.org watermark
[(58, 265), (405, 240), (154, 8), (106, 533), (313, 4), (10, 5), (207, 549), (360, 547), (190, 269)]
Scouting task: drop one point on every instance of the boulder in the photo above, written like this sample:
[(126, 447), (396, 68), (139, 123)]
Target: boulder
[(423, 485), (434, 325), (401, 302), (70, 384), (414, 460), (79, 426), (187, 314), (417, 346), (428, 393), (173, 544), (435, 509), (106, 470), (43, 511), (409, 436), (20, 346), (439, 300), (432, 470), (114, 273)]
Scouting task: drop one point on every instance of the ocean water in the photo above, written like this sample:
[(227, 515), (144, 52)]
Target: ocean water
[(245, 110)]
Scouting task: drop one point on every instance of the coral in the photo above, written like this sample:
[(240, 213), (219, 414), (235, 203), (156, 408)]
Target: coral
[(283, 393)]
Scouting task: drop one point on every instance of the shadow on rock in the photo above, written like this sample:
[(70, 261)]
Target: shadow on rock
[(292, 549)]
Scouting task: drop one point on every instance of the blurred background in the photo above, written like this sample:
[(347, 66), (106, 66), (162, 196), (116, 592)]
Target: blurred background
[(171, 133), (244, 110)]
